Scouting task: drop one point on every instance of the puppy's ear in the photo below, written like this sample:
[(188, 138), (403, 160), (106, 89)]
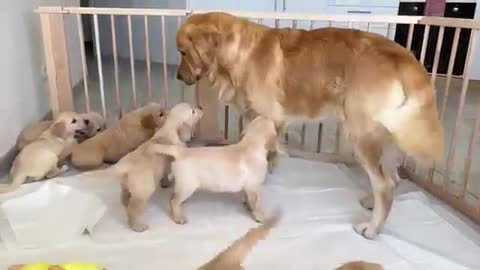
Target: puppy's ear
[(59, 129), (148, 122), (185, 133)]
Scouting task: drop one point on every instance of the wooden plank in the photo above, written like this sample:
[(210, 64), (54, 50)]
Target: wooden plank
[(207, 99), (56, 61)]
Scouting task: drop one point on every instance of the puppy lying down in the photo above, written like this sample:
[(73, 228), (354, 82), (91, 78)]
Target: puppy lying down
[(118, 140), (94, 121), (232, 168), (140, 171), (40, 158)]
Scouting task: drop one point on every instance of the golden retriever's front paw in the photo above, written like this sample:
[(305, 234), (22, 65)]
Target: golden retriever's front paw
[(139, 227), (367, 230), (180, 220)]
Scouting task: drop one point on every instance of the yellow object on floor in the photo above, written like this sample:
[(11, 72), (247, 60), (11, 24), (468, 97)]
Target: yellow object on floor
[(66, 266)]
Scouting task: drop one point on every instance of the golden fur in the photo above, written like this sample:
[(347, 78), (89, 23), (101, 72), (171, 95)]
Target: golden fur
[(124, 136), (238, 167), (39, 159), (375, 87), (94, 121)]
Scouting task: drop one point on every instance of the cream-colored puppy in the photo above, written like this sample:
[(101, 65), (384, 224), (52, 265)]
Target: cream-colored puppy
[(94, 121), (232, 168), (39, 159), (141, 170)]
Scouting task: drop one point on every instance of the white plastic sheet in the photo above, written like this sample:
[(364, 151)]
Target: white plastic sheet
[(51, 215), (320, 203)]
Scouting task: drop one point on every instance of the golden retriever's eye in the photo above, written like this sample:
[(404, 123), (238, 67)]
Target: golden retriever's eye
[(193, 111), (161, 114), (99, 129), (74, 121), (182, 53)]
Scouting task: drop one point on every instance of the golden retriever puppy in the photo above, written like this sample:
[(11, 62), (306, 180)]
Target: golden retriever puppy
[(94, 121), (118, 140), (140, 171), (39, 159), (232, 168), (232, 258), (375, 87)]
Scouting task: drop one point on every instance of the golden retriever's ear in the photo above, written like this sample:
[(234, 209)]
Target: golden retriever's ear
[(185, 133), (148, 122), (59, 129)]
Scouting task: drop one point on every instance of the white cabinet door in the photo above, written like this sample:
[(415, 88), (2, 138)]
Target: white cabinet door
[(236, 5)]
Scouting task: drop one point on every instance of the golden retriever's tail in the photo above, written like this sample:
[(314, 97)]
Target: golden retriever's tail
[(164, 149), (16, 183), (238, 250)]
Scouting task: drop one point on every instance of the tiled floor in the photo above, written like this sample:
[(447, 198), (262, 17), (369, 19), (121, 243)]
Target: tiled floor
[(463, 136)]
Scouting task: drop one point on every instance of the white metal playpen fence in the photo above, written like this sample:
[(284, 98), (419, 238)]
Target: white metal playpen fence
[(456, 181)]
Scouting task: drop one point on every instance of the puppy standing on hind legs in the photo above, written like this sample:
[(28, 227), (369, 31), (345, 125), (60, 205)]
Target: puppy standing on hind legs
[(140, 171)]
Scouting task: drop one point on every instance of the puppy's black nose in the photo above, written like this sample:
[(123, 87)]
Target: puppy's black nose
[(86, 121), (179, 77)]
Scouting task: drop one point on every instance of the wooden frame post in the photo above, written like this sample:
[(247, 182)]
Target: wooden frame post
[(56, 61), (207, 98)]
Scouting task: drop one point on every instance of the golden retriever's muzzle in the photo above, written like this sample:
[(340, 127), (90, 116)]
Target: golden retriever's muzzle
[(188, 79)]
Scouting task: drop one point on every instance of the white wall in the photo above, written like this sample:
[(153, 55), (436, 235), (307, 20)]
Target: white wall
[(138, 30), (24, 94)]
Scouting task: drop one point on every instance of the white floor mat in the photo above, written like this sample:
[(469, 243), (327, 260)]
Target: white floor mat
[(320, 203)]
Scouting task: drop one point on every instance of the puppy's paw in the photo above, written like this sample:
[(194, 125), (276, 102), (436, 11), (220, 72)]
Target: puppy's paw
[(259, 216), (180, 220), (367, 230), (139, 227), (367, 202), (65, 168)]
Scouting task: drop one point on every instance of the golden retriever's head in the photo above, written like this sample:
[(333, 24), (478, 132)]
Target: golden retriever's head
[(198, 41), (183, 117), (95, 123), (262, 129), (67, 125)]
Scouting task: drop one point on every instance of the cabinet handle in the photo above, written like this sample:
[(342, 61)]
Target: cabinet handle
[(455, 9), (359, 12)]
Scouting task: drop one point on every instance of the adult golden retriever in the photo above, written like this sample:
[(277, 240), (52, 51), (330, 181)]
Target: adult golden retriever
[(379, 91)]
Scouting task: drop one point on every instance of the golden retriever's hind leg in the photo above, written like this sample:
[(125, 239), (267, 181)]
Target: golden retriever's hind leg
[(257, 211), (369, 150), (178, 197)]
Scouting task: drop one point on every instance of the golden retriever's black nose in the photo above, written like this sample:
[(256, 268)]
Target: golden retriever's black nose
[(179, 77), (86, 121)]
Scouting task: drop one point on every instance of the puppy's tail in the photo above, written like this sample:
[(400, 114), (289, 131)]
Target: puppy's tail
[(238, 250), (17, 181), (164, 149)]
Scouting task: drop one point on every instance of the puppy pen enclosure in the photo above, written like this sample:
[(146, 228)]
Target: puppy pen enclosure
[(112, 90)]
